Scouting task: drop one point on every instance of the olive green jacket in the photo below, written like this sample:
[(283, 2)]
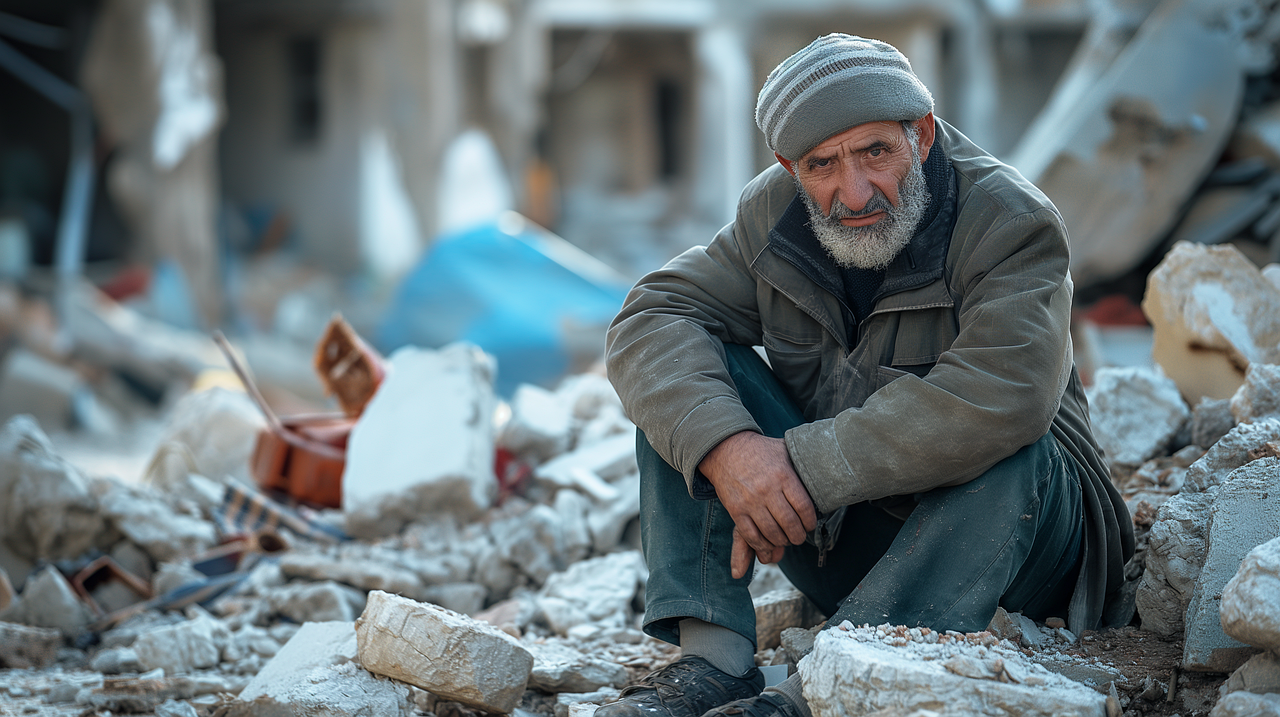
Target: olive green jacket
[(965, 357)]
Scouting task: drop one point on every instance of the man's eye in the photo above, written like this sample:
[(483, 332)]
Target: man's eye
[(875, 151), (823, 162)]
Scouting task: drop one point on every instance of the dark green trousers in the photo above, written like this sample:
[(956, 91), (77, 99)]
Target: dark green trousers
[(1010, 538)]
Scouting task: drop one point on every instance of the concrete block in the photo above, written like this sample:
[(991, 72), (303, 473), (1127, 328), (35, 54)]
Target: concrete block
[(24, 647), (573, 509), (1247, 704), (607, 459), (152, 524), (47, 511), (1175, 555), (466, 598), (1135, 412), (557, 667), (216, 428), (1251, 600), (609, 522), (364, 573), (1229, 453), (1246, 513), (862, 670), (1258, 397), (250, 640), (1211, 419), (325, 601), (194, 644), (532, 541), (115, 660), (1260, 675), (32, 385), (424, 444), (541, 424), (599, 589), (317, 673), (445, 653), (779, 610), (49, 601), (1213, 314)]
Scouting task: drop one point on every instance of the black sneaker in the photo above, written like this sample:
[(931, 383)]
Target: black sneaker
[(765, 704), (687, 687)]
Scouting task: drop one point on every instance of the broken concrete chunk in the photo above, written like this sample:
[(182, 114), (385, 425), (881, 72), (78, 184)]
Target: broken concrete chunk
[(540, 426), (608, 523), (1211, 419), (1213, 315), (566, 700), (1251, 600), (1135, 412), (1175, 555), (316, 673), (1229, 453), (23, 647), (46, 509), (211, 433), (862, 670), (1246, 513), (152, 524), (424, 443), (779, 610), (448, 654), (1259, 397), (189, 645), (599, 589), (1247, 704), (557, 667), (315, 602), (115, 660), (607, 459), (48, 600), (466, 598), (1260, 675), (366, 573)]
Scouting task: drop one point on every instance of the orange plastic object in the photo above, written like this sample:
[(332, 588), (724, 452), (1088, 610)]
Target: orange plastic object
[(349, 368), (304, 458)]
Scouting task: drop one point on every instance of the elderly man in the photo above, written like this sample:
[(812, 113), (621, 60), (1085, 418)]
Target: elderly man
[(917, 448)]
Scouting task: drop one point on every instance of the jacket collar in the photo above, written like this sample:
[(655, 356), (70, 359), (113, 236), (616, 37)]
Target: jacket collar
[(920, 263)]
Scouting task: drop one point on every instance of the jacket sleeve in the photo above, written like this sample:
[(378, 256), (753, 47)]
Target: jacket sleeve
[(665, 351), (996, 389)]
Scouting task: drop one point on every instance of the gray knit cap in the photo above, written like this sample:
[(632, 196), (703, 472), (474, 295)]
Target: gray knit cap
[(837, 82)]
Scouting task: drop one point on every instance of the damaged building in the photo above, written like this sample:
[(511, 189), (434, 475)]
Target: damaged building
[(217, 497)]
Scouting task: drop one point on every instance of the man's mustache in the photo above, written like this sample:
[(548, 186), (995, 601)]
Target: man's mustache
[(877, 203)]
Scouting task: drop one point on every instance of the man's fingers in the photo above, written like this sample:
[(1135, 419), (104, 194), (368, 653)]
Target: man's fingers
[(802, 504), (741, 556), (790, 522)]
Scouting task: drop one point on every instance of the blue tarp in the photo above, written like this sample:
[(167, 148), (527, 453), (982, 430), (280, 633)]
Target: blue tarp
[(511, 288)]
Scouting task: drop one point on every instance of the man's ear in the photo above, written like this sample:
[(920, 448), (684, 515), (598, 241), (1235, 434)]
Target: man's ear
[(788, 164), (926, 127)]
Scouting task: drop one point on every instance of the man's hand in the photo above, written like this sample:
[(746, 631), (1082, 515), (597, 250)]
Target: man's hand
[(757, 484)]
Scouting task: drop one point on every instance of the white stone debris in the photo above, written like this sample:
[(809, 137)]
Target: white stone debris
[(47, 511), (48, 600), (1229, 453), (450, 655), (146, 519), (1260, 675), (540, 426), (210, 433), (424, 443), (23, 647), (190, 645), (1246, 513), (1247, 704), (1213, 315), (1135, 412), (1251, 600), (317, 673), (362, 572), (560, 667), (1258, 397), (597, 590), (779, 610), (1175, 555), (859, 670)]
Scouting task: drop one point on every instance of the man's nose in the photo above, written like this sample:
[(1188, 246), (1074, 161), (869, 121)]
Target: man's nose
[(855, 188)]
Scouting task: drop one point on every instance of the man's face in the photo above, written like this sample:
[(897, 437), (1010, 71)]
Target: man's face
[(865, 190)]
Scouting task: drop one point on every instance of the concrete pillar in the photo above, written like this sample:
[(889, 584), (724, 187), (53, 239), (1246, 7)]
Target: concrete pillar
[(726, 132)]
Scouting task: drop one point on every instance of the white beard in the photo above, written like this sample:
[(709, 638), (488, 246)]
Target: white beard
[(876, 245)]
